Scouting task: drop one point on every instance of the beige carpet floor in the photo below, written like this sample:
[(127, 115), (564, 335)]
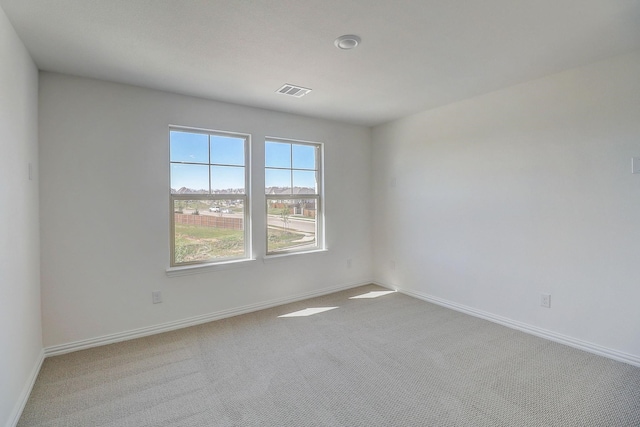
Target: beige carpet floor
[(387, 361)]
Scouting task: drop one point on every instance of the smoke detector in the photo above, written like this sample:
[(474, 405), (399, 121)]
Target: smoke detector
[(347, 42), (292, 90)]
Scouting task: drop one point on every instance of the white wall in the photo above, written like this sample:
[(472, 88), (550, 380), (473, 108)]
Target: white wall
[(20, 333), (105, 216), (522, 191)]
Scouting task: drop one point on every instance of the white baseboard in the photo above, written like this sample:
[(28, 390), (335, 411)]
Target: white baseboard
[(192, 321), (26, 392), (524, 327)]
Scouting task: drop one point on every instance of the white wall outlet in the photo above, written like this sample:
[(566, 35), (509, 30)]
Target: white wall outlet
[(545, 300), (349, 263), (635, 165), (156, 296)]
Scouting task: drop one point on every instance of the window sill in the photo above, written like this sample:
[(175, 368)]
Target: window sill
[(282, 257), (205, 268)]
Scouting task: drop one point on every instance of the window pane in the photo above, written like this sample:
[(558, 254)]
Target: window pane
[(304, 182), (291, 225), (227, 150), (189, 147), (202, 234), (277, 181), (277, 155), (304, 157), (189, 178), (227, 180)]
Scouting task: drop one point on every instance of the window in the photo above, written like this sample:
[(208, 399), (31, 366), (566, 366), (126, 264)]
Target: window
[(209, 196), (293, 191)]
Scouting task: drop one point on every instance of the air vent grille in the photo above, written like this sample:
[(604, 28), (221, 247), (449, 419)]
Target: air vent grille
[(292, 90)]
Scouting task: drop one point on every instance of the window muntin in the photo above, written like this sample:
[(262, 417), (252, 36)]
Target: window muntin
[(209, 200), (293, 180)]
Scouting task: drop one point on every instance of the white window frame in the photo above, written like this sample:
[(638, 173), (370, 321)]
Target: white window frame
[(246, 197), (318, 196)]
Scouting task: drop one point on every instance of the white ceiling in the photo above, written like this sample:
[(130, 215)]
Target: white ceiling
[(415, 54)]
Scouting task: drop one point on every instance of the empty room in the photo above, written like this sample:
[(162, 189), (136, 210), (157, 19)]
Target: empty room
[(320, 213)]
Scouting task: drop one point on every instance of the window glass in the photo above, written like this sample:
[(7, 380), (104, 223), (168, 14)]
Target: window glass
[(189, 147), (292, 225), (202, 235), (227, 179), (187, 178), (277, 155), (278, 179), (227, 151), (304, 182), (304, 157)]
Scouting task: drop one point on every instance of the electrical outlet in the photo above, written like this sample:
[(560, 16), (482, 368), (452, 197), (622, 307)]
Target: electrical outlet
[(156, 296), (545, 300), (349, 262)]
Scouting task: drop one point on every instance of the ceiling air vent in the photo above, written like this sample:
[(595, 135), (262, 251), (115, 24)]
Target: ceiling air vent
[(295, 91)]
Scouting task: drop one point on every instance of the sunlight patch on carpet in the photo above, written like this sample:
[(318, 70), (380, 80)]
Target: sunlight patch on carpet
[(373, 294), (308, 312)]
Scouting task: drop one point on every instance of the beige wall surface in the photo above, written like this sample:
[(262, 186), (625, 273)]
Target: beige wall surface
[(489, 202), (105, 209), (20, 333)]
